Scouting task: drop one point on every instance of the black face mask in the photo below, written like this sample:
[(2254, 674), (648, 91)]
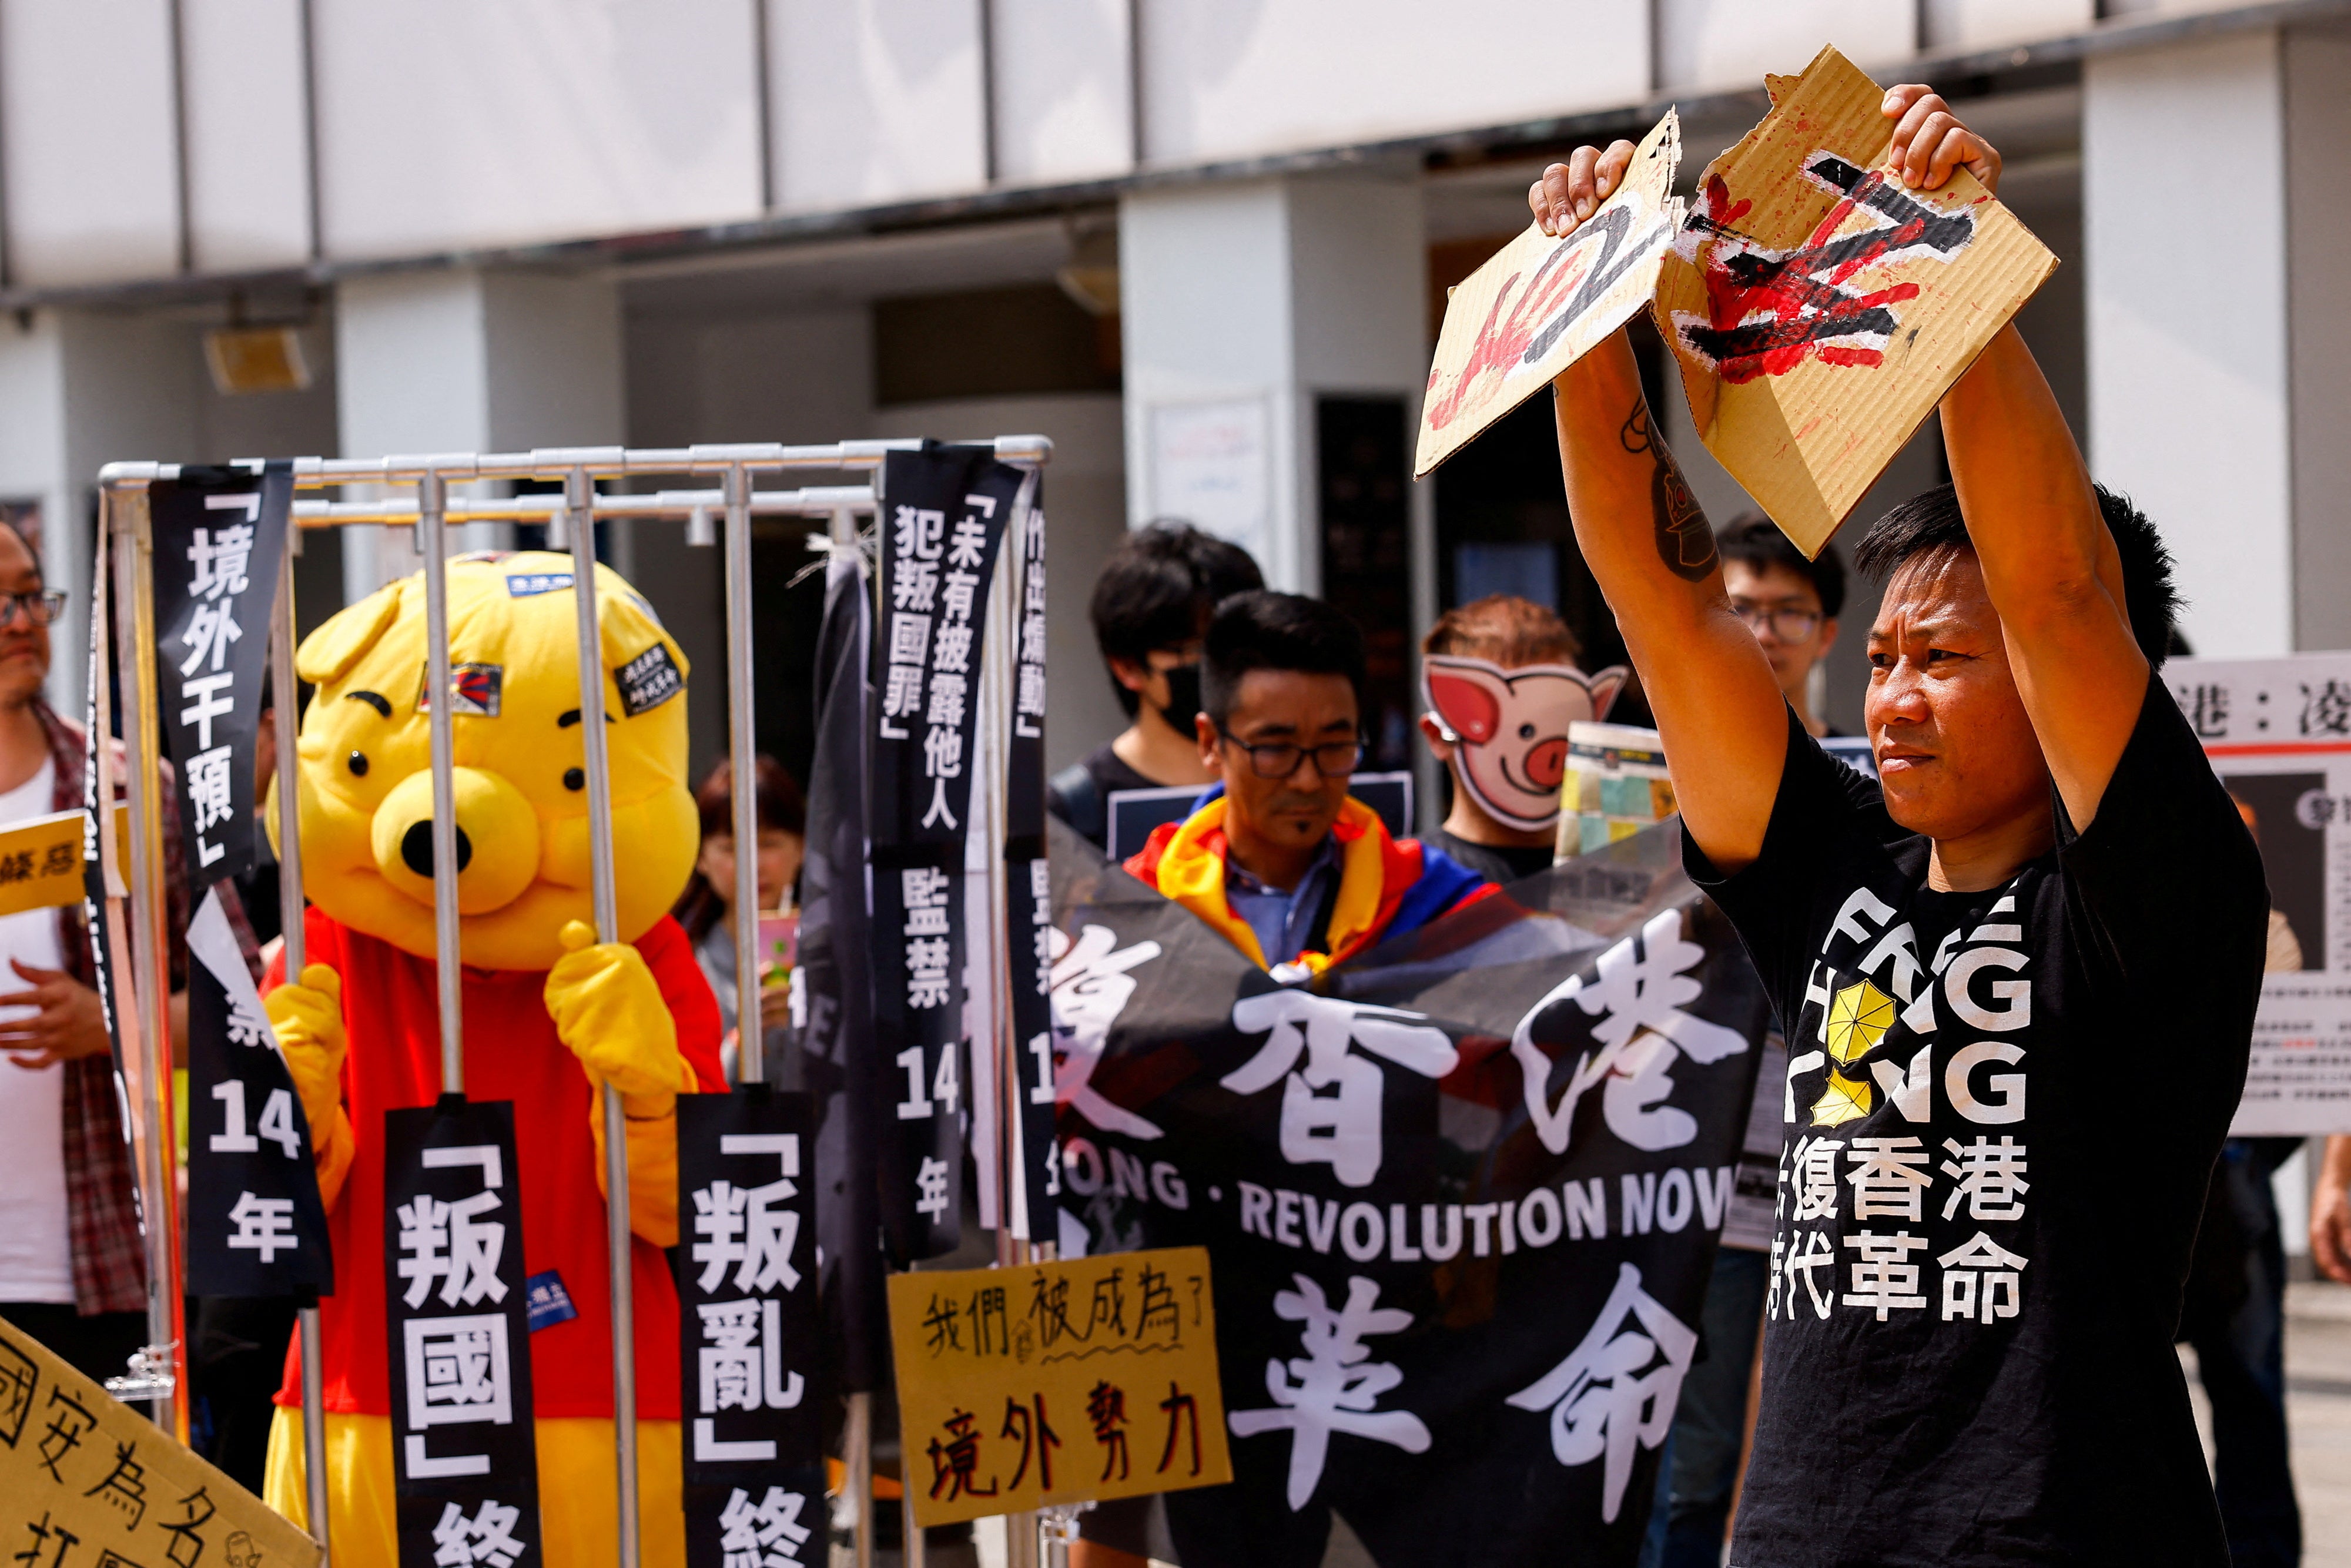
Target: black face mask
[(1183, 699)]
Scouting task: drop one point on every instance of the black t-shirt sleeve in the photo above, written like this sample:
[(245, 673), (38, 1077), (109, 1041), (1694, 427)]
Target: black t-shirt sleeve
[(2166, 871), (1824, 814)]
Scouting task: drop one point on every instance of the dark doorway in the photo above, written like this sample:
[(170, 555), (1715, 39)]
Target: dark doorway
[(1360, 477)]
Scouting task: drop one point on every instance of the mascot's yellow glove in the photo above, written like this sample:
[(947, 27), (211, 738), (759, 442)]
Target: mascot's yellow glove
[(607, 1009), (308, 1018)]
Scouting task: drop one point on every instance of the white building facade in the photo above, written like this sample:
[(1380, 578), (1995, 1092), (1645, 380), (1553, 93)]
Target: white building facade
[(1202, 243)]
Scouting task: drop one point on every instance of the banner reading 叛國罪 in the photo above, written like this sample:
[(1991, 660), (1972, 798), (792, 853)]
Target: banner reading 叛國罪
[(2278, 733), (1462, 1192)]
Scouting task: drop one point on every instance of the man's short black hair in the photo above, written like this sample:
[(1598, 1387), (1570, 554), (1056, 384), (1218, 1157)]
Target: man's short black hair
[(1930, 524), (1757, 540), (1158, 589), (1265, 631)]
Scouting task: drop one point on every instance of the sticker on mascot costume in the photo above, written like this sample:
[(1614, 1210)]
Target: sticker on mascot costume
[(458, 1336), (944, 512), (750, 1327), (1509, 729)]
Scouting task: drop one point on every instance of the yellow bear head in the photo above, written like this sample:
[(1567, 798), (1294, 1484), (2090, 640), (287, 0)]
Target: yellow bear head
[(521, 789)]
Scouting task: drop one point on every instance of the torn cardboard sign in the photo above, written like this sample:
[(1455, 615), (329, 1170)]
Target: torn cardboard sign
[(1540, 304), (89, 1482), (1820, 308)]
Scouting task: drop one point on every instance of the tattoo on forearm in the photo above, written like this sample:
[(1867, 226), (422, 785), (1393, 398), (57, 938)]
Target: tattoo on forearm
[(1685, 542)]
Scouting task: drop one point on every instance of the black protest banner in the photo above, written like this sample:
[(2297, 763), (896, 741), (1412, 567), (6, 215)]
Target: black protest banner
[(99, 913), (748, 1322), (832, 997), (220, 534), (256, 1226), (1462, 1194), (944, 510), (457, 1336), (1034, 1205)]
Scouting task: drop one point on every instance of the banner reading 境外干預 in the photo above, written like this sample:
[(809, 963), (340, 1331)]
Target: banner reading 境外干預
[(1462, 1194), (2278, 733)]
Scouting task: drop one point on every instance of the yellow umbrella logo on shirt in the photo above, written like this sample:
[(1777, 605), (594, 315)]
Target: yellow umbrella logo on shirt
[(1859, 1015)]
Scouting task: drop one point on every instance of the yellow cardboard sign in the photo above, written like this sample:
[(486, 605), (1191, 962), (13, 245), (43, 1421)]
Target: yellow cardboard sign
[(1055, 1382), (40, 859), (1539, 304), (91, 1483), (1820, 308)]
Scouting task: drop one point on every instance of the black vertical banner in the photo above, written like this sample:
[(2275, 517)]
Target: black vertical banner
[(832, 986), (457, 1335), (944, 510), (1028, 891), (256, 1226), (98, 818), (748, 1328), (219, 537)]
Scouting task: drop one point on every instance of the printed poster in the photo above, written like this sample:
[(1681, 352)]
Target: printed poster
[(2278, 732)]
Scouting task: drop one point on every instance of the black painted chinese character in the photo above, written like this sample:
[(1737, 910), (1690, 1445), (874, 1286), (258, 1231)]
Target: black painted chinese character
[(991, 1333), (65, 1431), (1179, 1406), (187, 1547), (2207, 710), (1106, 1408), (20, 1377), (2326, 710), (955, 1464), (1037, 1437), (125, 1484), (43, 1533), (940, 1324), (1158, 1308), (1049, 1309), (1110, 1303)]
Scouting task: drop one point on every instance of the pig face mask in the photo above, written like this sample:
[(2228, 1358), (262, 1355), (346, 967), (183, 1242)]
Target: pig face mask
[(1509, 729)]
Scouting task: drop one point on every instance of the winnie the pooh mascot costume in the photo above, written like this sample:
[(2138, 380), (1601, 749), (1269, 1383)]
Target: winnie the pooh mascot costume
[(551, 1015)]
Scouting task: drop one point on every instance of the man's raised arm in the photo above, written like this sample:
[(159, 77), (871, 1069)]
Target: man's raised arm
[(2049, 564), (1724, 723)]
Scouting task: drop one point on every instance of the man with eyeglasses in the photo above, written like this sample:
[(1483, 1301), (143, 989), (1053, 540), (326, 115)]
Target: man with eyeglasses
[(1276, 857), (72, 1268), (1789, 603)]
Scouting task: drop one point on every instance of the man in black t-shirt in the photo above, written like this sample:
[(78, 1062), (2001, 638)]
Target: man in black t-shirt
[(2018, 980), (1151, 606)]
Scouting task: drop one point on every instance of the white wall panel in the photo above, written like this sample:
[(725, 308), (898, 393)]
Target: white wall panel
[(2188, 344), (248, 164), (1062, 90), (448, 124), (1712, 44), (1227, 78), (1988, 23), (876, 100), (86, 119)]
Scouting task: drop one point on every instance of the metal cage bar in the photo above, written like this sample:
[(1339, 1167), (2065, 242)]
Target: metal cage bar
[(574, 513)]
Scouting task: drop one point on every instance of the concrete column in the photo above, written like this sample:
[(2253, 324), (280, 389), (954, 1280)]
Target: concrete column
[(2211, 399), (470, 360), (1240, 303)]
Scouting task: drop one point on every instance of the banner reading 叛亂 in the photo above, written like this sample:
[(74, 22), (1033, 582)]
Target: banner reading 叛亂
[(942, 514), (1462, 1194), (747, 1328)]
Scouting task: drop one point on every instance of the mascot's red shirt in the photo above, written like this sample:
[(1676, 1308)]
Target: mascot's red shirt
[(392, 1020)]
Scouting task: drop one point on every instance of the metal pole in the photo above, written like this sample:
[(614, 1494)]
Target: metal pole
[(742, 748), (149, 1042), (431, 534), (290, 906), (857, 1463), (579, 504)]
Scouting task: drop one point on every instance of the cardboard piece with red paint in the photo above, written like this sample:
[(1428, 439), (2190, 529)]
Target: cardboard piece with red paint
[(1539, 304), (1818, 309)]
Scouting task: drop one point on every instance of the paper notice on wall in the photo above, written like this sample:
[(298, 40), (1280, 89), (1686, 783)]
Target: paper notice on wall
[(1211, 465), (2278, 732), (1820, 308), (1540, 304)]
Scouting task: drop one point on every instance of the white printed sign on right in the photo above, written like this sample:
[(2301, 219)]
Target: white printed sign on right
[(2278, 732)]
